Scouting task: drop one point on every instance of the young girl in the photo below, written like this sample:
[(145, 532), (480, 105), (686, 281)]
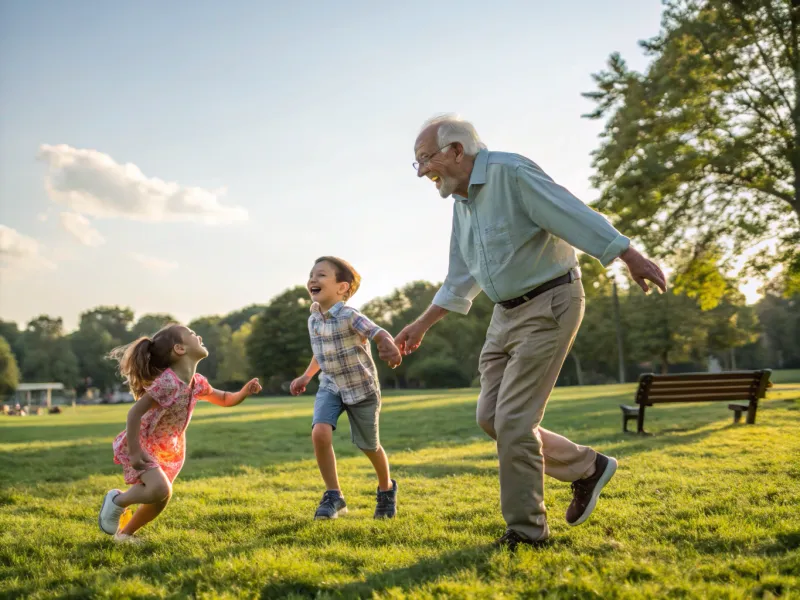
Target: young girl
[(161, 374)]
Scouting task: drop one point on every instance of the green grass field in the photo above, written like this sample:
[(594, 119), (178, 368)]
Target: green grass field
[(701, 509)]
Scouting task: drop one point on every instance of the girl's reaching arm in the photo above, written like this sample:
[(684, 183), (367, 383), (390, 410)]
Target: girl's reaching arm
[(222, 398)]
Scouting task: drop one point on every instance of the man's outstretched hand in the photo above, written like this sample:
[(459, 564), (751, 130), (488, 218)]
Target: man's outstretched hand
[(643, 270), (409, 339)]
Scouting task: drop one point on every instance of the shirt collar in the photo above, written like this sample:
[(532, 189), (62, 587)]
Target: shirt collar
[(332, 311), (478, 175)]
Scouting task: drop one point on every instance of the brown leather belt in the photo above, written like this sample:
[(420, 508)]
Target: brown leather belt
[(568, 277)]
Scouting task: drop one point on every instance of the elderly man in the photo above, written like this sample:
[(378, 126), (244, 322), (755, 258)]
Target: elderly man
[(514, 237)]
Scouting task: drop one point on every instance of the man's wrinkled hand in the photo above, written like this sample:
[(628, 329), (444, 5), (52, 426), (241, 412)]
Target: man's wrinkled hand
[(643, 270), (409, 339)]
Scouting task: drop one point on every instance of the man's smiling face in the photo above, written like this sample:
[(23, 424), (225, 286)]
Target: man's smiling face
[(438, 164)]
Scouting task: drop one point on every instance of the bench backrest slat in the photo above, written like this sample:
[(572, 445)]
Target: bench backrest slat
[(716, 389), (729, 376), (696, 398)]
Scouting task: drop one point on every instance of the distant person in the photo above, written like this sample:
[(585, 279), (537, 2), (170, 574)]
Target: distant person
[(162, 375), (349, 382), (513, 236)]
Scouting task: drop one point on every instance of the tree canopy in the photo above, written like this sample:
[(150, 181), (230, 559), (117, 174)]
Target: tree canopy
[(700, 156)]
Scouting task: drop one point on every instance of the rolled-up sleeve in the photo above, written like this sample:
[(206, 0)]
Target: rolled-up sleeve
[(459, 288), (363, 326), (557, 211)]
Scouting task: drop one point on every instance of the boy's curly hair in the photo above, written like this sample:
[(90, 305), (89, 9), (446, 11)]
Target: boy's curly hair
[(345, 272)]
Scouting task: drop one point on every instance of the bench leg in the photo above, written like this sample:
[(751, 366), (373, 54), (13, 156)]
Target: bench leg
[(737, 416), (751, 412), (625, 423), (640, 420)]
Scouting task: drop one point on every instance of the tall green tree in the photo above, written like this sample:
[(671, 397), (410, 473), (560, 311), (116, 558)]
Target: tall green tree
[(709, 132), (10, 331), (731, 325), (47, 353), (148, 324), (779, 318), (99, 331), (217, 338), (116, 320), (9, 370), (238, 318), (235, 365), (665, 329), (278, 347), (449, 355)]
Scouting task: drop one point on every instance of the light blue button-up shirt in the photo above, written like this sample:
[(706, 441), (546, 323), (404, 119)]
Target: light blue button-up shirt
[(517, 229)]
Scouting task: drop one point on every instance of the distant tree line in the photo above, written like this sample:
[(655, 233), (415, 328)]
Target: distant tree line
[(676, 331)]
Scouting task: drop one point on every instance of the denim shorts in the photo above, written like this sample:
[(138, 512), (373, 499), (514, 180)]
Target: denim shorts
[(363, 417)]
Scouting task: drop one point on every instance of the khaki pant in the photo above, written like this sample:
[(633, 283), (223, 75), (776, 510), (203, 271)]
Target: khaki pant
[(520, 362)]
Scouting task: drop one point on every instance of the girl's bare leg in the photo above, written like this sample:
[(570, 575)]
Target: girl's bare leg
[(143, 515), (155, 488)]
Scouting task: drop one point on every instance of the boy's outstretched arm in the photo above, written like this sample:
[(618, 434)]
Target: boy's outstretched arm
[(298, 386), (387, 349), (222, 398)]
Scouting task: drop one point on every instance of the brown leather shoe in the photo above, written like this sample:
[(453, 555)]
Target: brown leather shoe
[(586, 491)]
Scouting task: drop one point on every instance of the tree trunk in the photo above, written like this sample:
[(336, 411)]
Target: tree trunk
[(733, 359), (795, 54), (664, 362), (618, 327), (578, 370)]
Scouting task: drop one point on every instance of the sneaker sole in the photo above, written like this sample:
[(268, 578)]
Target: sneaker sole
[(342, 511), (611, 468), (100, 515)]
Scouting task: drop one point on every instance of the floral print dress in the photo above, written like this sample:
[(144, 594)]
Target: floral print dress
[(162, 432)]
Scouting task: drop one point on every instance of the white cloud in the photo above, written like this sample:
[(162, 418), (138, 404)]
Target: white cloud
[(21, 251), (93, 183), (82, 229), (153, 263)]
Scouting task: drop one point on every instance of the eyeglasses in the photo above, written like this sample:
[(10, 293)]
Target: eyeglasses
[(421, 163)]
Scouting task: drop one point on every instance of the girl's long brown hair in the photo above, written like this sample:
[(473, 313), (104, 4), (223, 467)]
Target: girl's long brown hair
[(143, 360)]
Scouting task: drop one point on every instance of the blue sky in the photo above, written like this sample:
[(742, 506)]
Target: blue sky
[(291, 125)]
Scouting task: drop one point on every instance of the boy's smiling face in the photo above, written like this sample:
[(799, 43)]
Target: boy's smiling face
[(323, 287)]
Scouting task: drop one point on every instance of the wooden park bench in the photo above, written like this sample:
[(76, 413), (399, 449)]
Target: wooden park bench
[(699, 387)]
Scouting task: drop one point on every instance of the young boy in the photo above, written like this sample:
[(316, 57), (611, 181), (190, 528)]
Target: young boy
[(349, 381)]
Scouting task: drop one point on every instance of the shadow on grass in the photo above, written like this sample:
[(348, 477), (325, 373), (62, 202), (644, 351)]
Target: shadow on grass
[(405, 579), (221, 444)]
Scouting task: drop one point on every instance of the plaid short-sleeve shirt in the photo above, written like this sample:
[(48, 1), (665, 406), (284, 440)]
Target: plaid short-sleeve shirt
[(340, 342)]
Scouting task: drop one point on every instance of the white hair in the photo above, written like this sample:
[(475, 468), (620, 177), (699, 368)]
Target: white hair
[(452, 129)]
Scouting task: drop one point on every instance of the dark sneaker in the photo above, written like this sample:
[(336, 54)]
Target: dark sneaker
[(586, 491), (331, 506), (511, 539), (386, 506)]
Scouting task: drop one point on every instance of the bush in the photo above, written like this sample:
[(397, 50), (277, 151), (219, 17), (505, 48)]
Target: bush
[(438, 372)]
